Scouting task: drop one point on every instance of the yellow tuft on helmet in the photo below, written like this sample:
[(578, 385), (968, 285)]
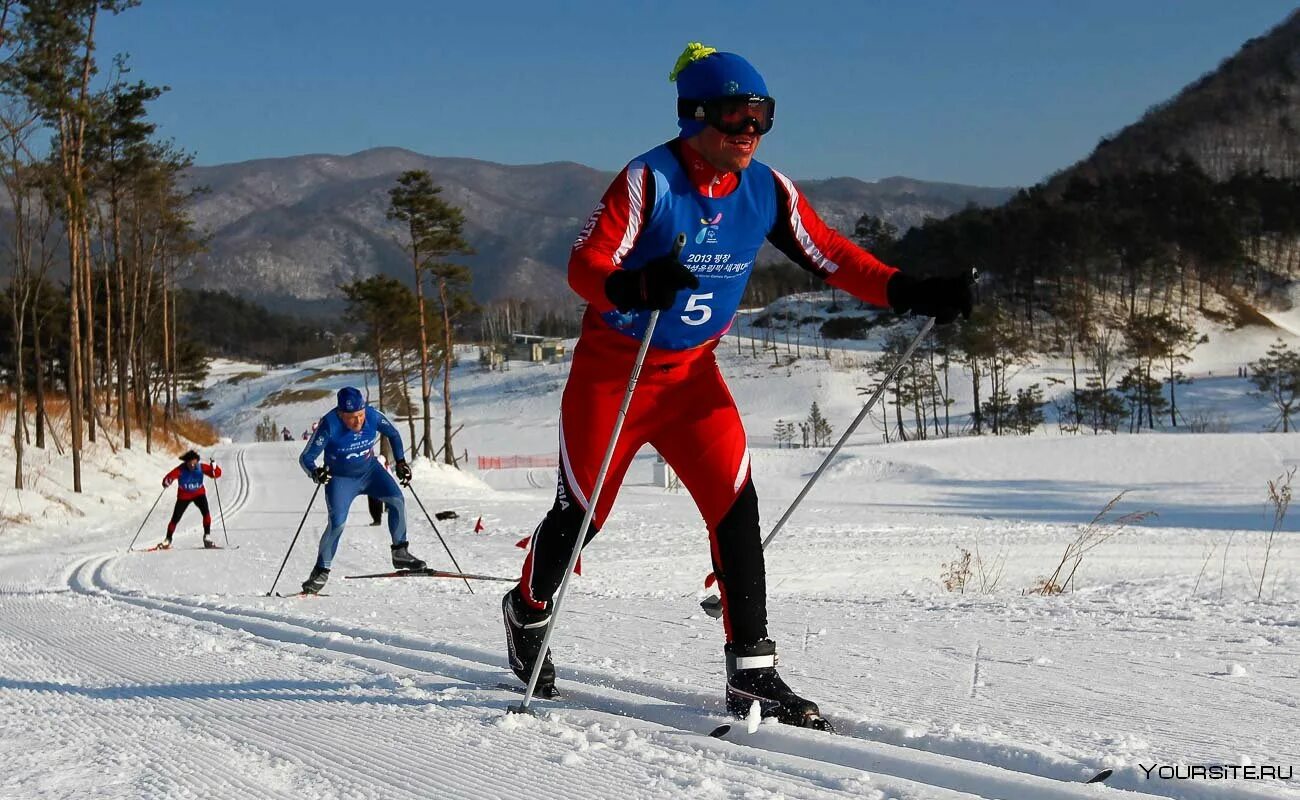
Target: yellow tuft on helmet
[(694, 52)]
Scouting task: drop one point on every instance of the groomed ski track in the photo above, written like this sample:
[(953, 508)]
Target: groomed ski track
[(185, 696)]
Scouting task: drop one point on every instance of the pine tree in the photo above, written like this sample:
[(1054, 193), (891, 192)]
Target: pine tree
[(817, 427), (433, 229), (1277, 376), (388, 311)]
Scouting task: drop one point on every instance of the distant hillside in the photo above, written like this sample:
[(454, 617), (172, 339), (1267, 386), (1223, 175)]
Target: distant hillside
[(289, 230), (1243, 116)]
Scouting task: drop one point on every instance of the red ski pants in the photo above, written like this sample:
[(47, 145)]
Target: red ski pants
[(682, 408)]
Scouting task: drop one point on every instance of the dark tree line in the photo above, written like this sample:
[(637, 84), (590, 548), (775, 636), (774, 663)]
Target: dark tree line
[(1145, 242), (230, 326)]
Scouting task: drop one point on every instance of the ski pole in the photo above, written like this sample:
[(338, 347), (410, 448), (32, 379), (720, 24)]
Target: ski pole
[(220, 512), (712, 604), (522, 708), (295, 539), (146, 519), (411, 489)]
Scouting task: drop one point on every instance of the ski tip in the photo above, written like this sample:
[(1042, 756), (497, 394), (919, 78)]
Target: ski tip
[(1100, 777), (720, 731)]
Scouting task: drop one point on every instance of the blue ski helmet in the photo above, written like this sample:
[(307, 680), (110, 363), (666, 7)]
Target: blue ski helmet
[(350, 399)]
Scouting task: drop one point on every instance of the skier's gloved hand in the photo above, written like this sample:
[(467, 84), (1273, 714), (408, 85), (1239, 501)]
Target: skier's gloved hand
[(654, 287), (321, 475), (403, 471), (941, 297), (167, 482)]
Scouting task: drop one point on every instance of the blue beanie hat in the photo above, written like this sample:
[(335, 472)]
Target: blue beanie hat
[(350, 399), (703, 73)]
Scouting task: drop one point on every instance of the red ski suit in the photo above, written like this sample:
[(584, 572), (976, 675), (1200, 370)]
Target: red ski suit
[(191, 490), (681, 406)]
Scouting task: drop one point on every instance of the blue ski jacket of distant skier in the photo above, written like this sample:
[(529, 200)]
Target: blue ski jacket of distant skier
[(348, 452)]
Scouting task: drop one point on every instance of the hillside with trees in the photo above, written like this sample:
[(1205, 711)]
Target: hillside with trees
[(1188, 219), (98, 238), (1243, 117)]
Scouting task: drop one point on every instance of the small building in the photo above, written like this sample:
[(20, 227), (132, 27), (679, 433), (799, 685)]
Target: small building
[(529, 347), (664, 475)]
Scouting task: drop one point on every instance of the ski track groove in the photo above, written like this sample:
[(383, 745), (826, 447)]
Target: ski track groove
[(477, 660), (359, 770), (90, 578), (87, 701), (466, 664), (783, 761)]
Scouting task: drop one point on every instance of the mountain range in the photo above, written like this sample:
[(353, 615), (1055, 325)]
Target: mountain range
[(287, 231)]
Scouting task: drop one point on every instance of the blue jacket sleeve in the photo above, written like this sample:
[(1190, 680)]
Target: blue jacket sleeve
[(394, 438), (315, 446)]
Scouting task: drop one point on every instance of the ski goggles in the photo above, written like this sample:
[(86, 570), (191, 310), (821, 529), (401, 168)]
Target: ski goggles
[(732, 115)]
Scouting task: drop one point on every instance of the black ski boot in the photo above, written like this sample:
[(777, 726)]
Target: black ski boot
[(316, 582), (402, 558), (752, 675), (208, 544), (525, 627)]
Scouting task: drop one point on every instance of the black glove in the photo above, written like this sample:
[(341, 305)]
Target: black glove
[(654, 287), (321, 475), (940, 297), (403, 471)]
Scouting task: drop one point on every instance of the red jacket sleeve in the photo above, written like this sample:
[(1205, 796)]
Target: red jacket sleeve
[(211, 470), (171, 476), (820, 249), (609, 234)]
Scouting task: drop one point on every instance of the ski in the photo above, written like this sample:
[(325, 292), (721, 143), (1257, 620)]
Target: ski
[(428, 572), (1100, 777), (541, 692), (157, 549), (813, 724), (301, 595)]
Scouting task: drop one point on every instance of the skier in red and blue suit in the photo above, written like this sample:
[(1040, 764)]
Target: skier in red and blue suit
[(706, 184), (188, 478)]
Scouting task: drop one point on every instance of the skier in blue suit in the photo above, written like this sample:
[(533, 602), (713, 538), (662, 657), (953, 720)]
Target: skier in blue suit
[(347, 436)]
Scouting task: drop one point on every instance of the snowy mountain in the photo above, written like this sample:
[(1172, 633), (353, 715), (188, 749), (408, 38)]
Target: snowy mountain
[(291, 229)]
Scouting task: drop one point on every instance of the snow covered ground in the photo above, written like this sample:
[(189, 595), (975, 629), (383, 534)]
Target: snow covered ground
[(171, 674)]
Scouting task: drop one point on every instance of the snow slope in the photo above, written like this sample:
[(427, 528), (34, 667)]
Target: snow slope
[(172, 674)]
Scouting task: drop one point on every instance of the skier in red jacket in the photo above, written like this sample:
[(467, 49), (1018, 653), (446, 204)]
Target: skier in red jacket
[(706, 184), (189, 489)]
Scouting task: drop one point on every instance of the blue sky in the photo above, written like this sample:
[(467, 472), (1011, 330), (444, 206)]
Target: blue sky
[(991, 92)]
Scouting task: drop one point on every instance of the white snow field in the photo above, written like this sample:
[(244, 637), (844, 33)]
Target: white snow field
[(172, 675)]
